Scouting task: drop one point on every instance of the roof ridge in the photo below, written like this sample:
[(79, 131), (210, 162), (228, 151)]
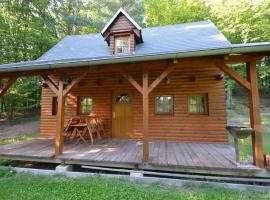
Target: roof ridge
[(150, 27), (186, 23)]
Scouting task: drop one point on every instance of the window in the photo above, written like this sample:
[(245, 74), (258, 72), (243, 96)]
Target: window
[(85, 105), (124, 98), (55, 105), (122, 45), (198, 103), (164, 105)]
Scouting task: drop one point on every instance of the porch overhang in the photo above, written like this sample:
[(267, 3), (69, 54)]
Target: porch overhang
[(219, 57)]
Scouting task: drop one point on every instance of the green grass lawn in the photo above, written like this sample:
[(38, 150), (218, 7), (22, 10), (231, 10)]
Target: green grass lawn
[(22, 186), (19, 138)]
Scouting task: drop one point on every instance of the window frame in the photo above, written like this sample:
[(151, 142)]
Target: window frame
[(79, 107), (164, 113), (115, 46), (55, 105), (206, 108)]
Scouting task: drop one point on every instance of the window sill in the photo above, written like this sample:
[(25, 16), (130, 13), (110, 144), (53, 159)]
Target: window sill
[(198, 114), (164, 114)]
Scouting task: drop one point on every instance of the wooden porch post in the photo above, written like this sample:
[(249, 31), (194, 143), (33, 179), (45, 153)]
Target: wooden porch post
[(145, 91), (145, 117), (60, 120), (254, 112), (61, 92)]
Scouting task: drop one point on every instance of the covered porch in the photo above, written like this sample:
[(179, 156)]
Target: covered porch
[(146, 152)]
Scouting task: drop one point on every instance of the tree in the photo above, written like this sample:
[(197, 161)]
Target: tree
[(164, 12)]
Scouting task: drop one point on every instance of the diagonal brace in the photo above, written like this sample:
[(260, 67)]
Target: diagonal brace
[(234, 75), (133, 82)]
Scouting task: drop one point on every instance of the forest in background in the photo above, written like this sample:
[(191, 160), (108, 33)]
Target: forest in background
[(28, 28)]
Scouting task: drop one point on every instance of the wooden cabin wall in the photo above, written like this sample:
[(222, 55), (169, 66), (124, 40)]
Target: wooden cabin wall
[(177, 127)]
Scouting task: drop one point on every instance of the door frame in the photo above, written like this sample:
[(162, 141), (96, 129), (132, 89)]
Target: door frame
[(114, 92)]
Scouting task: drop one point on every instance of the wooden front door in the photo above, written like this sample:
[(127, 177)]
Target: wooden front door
[(122, 115)]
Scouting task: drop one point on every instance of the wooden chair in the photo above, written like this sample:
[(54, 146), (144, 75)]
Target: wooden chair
[(68, 130), (91, 129), (100, 127)]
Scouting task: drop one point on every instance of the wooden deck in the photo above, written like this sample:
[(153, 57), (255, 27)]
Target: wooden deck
[(162, 153)]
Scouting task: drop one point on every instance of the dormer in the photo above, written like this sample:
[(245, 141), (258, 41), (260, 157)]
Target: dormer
[(122, 33)]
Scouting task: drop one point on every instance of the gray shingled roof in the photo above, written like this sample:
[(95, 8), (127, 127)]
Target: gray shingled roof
[(164, 42), (187, 37)]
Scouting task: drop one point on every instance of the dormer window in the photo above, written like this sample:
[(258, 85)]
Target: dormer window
[(122, 45), (122, 33)]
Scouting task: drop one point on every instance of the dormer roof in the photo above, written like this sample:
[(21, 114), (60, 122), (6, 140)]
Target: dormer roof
[(121, 10)]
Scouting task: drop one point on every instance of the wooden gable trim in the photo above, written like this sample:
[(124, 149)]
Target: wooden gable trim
[(114, 18)]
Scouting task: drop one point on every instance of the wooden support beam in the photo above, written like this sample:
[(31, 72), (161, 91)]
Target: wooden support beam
[(133, 82), (5, 88), (243, 58), (234, 75), (51, 84), (73, 83), (254, 112), (145, 90), (145, 117), (163, 75), (60, 120)]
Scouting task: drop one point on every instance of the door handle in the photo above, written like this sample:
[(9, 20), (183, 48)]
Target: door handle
[(113, 115)]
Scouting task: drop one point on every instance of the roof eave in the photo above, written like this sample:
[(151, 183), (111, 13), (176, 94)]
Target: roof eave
[(43, 65), (250, 48)]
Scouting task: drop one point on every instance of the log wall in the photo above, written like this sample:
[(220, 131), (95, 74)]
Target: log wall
[(180, 126)]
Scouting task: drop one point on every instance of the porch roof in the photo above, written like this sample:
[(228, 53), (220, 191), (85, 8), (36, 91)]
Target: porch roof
[(164, 42)]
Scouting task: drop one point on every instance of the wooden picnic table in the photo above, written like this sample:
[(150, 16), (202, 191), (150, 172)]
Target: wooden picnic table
[(80, 126), (80, 129)]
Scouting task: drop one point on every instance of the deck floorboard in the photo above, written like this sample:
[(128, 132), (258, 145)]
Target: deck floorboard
[(162, 153)]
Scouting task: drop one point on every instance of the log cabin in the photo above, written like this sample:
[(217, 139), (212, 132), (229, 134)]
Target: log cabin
[(159, 91)]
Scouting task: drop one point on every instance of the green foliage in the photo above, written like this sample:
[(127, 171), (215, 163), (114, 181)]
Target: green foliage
[(6, 172), (22, 186), (5, 162), (30, 28), (242, 20), (163, 12), (22, 97)]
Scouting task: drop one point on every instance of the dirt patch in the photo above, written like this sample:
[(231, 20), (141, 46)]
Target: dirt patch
[(28, 128)]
